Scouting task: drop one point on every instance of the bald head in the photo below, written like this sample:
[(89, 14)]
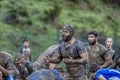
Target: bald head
[(109, 42)]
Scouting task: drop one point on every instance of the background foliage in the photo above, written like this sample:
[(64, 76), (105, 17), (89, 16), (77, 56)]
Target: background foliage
[(40, 21)]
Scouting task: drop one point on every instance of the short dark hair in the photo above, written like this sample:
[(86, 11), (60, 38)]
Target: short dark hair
[(25, 40), (94, 67), (93, 33)]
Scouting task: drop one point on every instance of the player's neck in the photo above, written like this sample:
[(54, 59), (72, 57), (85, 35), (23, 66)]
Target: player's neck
[(70, 42), (95, 45)]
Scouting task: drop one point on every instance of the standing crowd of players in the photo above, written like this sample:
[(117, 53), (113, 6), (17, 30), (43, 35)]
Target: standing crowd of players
[(84, 61)]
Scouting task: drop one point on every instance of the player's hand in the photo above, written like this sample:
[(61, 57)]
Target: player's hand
[(68, 60), (47, 58)]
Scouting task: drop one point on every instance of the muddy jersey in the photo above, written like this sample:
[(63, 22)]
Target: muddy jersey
[(7, 62), (40, 63), (116, 57), (97, 54), (111, 51), (27, 70), (73, 51)]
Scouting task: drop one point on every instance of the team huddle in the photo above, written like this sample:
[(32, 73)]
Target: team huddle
[(84, 61)]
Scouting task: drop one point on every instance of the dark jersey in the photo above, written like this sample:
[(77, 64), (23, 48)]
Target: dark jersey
[(27, 70), (73, 51), (40, 63), (116, 59), (97, 54), (7, 63)]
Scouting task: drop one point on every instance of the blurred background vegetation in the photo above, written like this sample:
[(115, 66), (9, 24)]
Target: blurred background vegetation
[(41, 20)]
